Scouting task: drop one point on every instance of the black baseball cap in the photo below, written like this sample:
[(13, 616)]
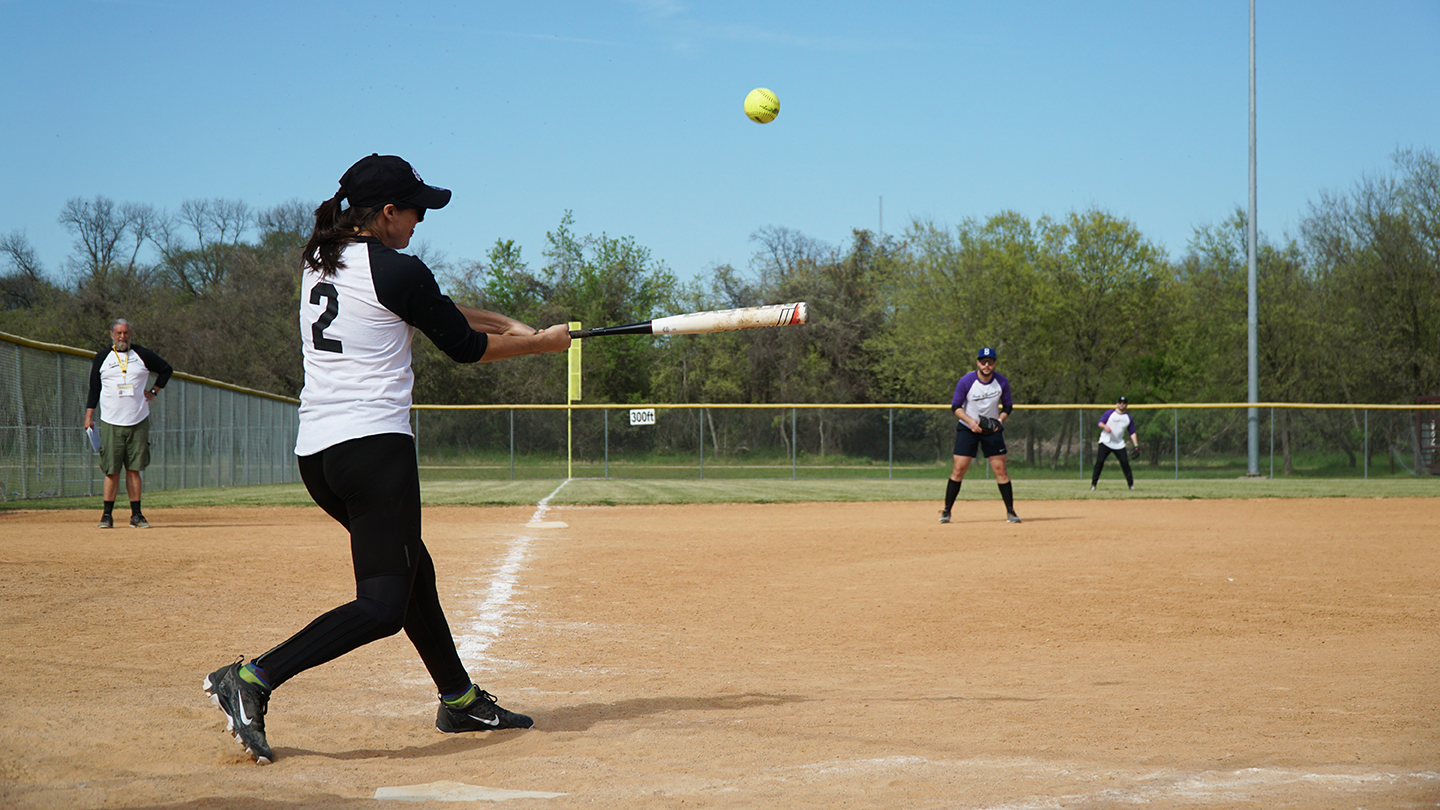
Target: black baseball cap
[(380, 180), (1124, 400)]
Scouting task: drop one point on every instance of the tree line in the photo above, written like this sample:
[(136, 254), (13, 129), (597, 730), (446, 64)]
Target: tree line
[(1081, 307)]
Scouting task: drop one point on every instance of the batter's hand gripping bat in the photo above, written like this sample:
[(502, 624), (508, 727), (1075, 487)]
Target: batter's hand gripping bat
[(719, 320)]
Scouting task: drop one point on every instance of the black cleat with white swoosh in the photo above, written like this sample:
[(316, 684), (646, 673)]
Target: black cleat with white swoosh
[(244, 705), (483, 714)]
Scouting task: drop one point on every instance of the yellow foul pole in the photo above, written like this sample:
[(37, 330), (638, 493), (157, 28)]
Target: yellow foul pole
[(572, 396)]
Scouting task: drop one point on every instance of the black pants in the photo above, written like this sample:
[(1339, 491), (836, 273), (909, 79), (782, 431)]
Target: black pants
[(371, 486), (1100, 455)]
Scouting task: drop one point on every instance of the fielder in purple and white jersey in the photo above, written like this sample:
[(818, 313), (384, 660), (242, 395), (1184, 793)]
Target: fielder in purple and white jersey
[(1115, 424), (981, 398), (982, 403)]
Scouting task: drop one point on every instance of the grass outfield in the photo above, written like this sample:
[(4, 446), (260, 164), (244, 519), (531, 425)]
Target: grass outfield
[(613, 492), (491, 467)]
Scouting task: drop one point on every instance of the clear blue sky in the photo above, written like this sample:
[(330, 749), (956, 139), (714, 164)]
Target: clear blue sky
[(628, 112)]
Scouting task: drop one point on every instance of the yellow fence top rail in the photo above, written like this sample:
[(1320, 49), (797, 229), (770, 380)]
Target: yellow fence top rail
[(916, 406)]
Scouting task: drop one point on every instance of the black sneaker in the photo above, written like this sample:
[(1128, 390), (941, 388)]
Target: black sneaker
[(244, 705), (944, 515), (107, 522), (139, 522), (1011, 517), (483, 714)]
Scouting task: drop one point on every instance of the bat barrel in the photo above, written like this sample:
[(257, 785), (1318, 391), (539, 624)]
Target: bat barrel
[(720, 320), (726, 320)]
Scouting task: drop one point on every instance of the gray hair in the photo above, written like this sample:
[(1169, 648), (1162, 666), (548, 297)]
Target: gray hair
[(118, 322)]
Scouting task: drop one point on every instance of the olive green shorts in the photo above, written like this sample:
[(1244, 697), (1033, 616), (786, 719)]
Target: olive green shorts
[(126, 446)]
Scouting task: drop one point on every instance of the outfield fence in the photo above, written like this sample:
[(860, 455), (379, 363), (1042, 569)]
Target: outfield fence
[(203, 433), (209, 434), (910, 440)]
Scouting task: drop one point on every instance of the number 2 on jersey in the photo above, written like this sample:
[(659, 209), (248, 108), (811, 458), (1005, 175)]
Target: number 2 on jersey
[(332, 308)]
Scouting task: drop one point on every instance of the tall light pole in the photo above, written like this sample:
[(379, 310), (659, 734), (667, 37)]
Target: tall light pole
[(1253, 316)]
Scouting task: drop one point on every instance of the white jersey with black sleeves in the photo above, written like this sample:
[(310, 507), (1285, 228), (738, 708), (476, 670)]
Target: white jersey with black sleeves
[(118, 381), (356, 331)]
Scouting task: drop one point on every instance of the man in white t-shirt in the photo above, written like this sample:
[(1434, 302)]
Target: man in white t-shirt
[(1115, 424), (124, 377)]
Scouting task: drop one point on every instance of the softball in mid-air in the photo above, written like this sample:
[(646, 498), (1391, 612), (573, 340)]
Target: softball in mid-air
[(761, 106)]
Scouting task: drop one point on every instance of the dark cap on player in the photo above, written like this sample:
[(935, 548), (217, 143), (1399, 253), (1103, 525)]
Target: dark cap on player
[(986, 353), (1124, 400), (380, 180)]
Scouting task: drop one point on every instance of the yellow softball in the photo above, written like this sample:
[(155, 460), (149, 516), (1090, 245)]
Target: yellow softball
[(761, 106)]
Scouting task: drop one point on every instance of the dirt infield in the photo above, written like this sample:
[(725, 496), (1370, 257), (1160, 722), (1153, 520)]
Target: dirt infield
[(1249, 653)]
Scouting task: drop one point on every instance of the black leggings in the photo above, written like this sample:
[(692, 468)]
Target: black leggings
[(371, 486), (1122, 454)]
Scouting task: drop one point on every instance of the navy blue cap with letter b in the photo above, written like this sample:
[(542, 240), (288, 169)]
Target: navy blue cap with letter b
[(986, 353)]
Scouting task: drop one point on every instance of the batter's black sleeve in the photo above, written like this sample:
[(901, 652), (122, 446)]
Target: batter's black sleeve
[(92, 399), (153, 362), (406, 287)]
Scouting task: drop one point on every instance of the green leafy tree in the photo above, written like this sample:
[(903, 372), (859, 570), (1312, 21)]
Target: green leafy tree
[(606, 281), (1102, 295), (1210, 341), (706, 368), (1377, 251), (951, 292), (832, 359), (597, 280)]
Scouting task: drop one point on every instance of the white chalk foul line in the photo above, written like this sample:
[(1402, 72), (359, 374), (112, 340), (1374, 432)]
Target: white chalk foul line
[(494, 610), (456, 792)]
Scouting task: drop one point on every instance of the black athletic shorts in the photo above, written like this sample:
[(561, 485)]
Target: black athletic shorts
[(967, 441)]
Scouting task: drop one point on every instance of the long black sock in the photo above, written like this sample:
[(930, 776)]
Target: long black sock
[(1008, 496), (109, 507), (952, 488), (134, 508)]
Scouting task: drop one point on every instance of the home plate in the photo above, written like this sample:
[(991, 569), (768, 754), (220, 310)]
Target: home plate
[(547, 524), (455, 792)]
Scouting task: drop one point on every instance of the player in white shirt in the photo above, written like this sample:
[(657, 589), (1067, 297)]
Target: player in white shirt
[(361, 301), (1115, 424), (124, 377)]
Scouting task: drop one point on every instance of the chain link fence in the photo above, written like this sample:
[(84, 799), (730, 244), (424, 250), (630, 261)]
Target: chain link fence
[(203, 433), (903, 440), (209, 434)]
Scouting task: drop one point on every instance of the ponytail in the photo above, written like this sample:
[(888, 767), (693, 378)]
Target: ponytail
[(334, 229)]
